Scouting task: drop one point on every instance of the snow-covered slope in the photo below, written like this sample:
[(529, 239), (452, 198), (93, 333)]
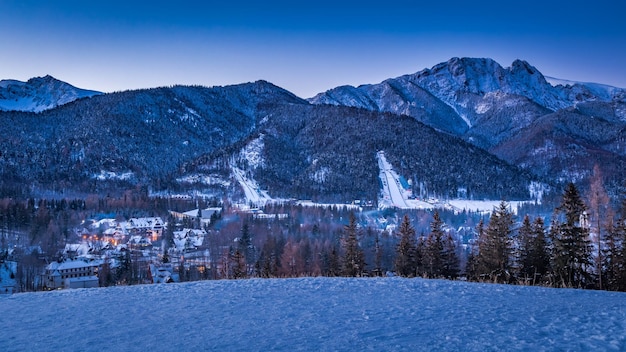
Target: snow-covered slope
[(38, 94), (315, 314)]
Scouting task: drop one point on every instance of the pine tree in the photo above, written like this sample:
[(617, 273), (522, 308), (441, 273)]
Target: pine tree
[(540, 255), (434, 248), (245, 244), (615, 254), (525, 238), (354, 258), (450, 259), (405, 251), (378, 256), (334, 267), (239, 265), (471, 267), (419, 256), (533, 257), (494, 246), (571, 252)]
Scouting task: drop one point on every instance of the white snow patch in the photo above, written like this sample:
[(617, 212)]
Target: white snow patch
[(482, 107), (315, 314), (482, 206), (204, 179), (537, 190), (321, 174), (253, 152), (110, 175), (309, 203)]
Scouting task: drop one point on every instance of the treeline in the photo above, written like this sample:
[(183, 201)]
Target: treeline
[(564, 254)]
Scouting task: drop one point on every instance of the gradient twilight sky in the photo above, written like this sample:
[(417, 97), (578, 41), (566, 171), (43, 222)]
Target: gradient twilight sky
[(304, 47)]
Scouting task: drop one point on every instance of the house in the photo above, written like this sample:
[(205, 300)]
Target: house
[(163, 273), (205, 215), (153, 227), (77, 273), (187, 239), (138, 241)]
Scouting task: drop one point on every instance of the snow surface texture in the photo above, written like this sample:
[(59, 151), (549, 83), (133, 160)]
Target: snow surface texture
[(315, 314)]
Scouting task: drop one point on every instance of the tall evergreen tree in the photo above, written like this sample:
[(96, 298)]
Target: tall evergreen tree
[(405, 251), (434, 248), (378, 256), (354, 258), (571, 251), (494, 246), (239, 266), (524, 240), (534, 258), (471, 267), (450, 260), (614, 262)]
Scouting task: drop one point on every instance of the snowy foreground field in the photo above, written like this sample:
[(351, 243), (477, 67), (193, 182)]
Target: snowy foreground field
[(314, 314)]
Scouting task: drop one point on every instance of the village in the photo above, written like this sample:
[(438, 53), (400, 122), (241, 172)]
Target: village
[(140, 250)]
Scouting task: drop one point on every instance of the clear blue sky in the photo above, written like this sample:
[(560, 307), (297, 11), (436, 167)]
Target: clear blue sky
[(305, 47)]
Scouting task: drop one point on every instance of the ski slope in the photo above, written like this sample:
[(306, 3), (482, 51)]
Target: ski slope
[(254, 195), (314, 314), (393, 194), (392, 190)]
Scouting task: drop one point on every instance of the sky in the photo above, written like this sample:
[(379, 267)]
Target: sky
[(304, 47)]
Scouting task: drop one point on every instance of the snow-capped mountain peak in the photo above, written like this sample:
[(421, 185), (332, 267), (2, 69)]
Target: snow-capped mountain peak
[(39, 94)]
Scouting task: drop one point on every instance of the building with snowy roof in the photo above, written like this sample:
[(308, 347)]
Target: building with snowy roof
[(205, 215), (187, 239), (72, 274)]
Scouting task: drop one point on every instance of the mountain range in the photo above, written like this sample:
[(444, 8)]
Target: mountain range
[(552, 128), (465, 124)]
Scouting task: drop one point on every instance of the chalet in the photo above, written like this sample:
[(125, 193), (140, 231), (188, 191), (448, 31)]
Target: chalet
[(205, 215), (138, 241), (72, 274), (163, 273), (187, 239), (151, 226)]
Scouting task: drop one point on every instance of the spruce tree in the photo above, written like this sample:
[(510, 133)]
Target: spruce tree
[(434, 248), (239, 266), (419, 256), (540, 255), (450, 260), (614, 259), (405, 251), (378, 256), (471, 267), (354, 258), (494, 246), (571, 251), (533, 257), (524, 239)]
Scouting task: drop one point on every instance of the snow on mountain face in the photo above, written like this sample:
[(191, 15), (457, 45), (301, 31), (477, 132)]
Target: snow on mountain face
[(38, 94), (462, 83)]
